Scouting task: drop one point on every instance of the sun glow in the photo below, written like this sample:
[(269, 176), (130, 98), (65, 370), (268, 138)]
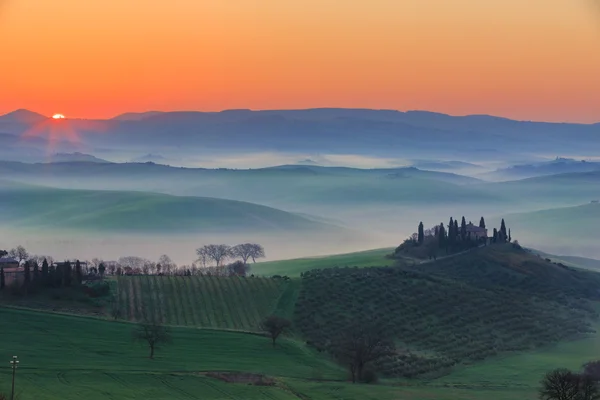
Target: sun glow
[(58, 116)]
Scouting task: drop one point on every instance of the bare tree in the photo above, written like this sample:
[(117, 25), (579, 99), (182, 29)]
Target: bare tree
[(202, 256), (257, 252), (243, 251), (167, 265), (559, 384), (216, 252), (360, 344), (152, 332), (19, 253), (274, 326)]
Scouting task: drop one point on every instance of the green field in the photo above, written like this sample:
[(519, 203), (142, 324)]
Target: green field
[(98, 210), (370, 258), (70, 358), (201, 301), (486, 324)]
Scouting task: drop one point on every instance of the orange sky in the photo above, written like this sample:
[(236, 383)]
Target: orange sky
[(526, 59)]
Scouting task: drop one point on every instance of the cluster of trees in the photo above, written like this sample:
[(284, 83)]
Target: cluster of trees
[(452, 238), (212, 260), (57, 275), (563, 384)]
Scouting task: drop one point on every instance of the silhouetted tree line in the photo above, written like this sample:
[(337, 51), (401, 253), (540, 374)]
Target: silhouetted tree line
[(563, 384)]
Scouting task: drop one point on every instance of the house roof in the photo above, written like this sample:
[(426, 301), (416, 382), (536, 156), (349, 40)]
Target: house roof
[(8, 260), (474, 228)]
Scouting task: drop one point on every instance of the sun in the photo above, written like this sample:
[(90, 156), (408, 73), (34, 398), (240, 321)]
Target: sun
[(58, 116)]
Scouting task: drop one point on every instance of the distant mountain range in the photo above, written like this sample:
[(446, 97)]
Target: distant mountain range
[(379, 133), (554, 167)]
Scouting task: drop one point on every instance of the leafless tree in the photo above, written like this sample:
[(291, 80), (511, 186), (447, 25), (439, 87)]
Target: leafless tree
[(133, 263), (19, 253), (274, 326), (167, 265), (152, 332), (559, 384), (243, 251), (216, 252), (257, 252), (362, 343)]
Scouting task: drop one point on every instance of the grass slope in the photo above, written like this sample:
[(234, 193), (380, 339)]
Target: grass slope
[(296, 266), (201, 301), (43, 207), (463, 309), (72, 358)]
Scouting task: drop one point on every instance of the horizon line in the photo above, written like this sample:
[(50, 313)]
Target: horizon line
[(302, 109)]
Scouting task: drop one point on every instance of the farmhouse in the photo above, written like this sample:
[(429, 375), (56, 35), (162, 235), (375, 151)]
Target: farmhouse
[(12, 272), (476, 232)]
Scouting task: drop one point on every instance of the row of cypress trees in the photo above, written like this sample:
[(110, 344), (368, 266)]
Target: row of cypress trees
[(456, 234), (61, 275)]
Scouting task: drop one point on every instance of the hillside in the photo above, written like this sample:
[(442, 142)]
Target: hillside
[(487, 302), (282, 186), (564, 230), (42, 207), (201, 301)]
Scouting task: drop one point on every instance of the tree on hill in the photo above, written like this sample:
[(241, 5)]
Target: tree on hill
[(441, 235), (27, 274), (243, 251), (216, 252), (495, 237), (101, 270), (67, 274), (562, 384), (482, 223), (503, 230), (257, 252), (360, 344), (45, 272), (19, 253), (509, 236), (274, 326), (2, 278), (153, 333), (78, 273), (463, 229), (36, 273), (451, 232), (421, 233)]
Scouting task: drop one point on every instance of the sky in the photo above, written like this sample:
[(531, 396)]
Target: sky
[(523, 59)]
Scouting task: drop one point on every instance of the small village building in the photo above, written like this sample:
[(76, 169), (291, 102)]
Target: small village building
[(13, 273), (476, 232)]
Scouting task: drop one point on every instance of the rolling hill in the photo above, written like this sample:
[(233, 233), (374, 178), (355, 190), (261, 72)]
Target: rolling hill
[(48, 208)]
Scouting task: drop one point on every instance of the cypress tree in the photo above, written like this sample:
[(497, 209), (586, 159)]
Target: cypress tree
[(27, 273), (2, 281), (36, 272), (45, 272), (509, 236), (442, 235), (421, 234), (101, 269), (456, 231), (67, 274), (482, 223), (451, 232), (503, 230), (58, 276), (463, 229), (78, 273), (495, 237)]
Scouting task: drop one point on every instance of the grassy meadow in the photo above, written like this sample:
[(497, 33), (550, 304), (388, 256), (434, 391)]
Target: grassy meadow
[(369, 258)]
